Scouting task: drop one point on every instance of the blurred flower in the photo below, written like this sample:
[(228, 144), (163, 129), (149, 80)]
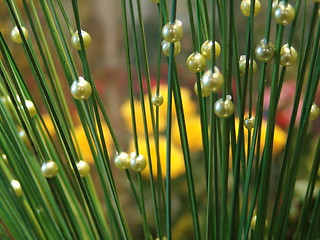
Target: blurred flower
[(84, 145), (190, 112), (193, 127), (49, 124), (177, 162)]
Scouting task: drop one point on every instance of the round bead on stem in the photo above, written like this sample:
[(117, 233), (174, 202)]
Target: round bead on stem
[(283, 13), (31, 108), (23, 135), (265, 51), (83, 168), (288, 55), (246, 5), (165, 45), (16, 187), (212, 81), (137, 163), (253, 222), (314, 112), (205, 92), (157, 100), (15, 34), (49, 169), (242, 65), (75, 40), (249, 122), (172, 32), (196, 62), (81, 89), (206, 49), (122, 160), (224, 108)]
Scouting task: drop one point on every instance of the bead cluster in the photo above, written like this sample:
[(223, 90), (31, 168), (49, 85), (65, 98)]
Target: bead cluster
[(135, 162)]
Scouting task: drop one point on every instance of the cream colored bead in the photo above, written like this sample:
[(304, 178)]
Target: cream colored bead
[(16, 188), (16, 37), (49, 169), (83, 168)]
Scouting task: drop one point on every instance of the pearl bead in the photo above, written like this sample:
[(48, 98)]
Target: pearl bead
[(274, 5), (31, 108), (166, 48), (157, 100), (253, 222), (249, 122), (172, 32), (16, 187), (137, 163), (206, 49), (83, 168), (288, 56), (122, 160), (4, 158), (23, 136), (6, 100), (245, 7), (224, 108), (75, 40), (265, 51), (213, 81), (49, 169), (81, 89), (205, 91), (16, 37), (314, 112), (283, 13), (242, 65), (196, 62)]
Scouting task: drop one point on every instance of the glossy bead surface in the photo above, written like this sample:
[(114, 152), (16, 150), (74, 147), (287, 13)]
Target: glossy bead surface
[(122, 161), (283, 13), (49, 169), (288, 56), (75, 40), (253, 222), (249, 122), (314, 112), (265, 51), (224, 108), (31, 108), (157, 100), (196, 62), (83, 168), (137, 163), (16, 37), (81, 89), (205, 92), (206, 49), (165, 46), (23, 135), (16, 187), (172, 32), (213, 81), (242, 65), (245, 7)]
